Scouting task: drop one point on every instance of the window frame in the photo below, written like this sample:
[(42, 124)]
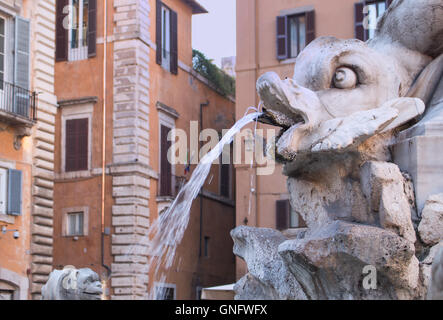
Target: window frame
[(230, 177), (166, 37), (81, 52), (167, 121), (9, 38), (73, 113), (377, 3), (158, 285), (78, 229), (65, 221), (3, 191), (289, 42)]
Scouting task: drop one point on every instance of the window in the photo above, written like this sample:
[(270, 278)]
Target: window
[(10, 191), (166, 34), (206, 247), (2, 51), (75, 221), (297, 35), (225, 180), (76, 29), (75, 224), (198, 293), (3, 190), (165, 166), (294, 33), (164, 292), (287, 217), (15, 65), (78, 34), (367, 14), (166, 38), (76, 144)]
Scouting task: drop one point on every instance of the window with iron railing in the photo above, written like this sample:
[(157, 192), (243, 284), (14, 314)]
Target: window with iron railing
[(15, 96), (18, 101)]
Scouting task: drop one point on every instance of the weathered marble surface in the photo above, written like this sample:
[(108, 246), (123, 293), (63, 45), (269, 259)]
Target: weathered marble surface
[(346, 116), (72, 284)]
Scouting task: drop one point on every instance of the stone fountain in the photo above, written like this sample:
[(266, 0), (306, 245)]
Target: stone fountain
[(361, 141)]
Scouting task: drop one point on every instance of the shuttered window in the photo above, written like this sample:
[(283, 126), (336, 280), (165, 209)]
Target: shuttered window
[(79, 40), (294, 33), (225, 180), (165, 166), (282, 218), (76, 156), (366, 16), (14, 192), (166, 37), (3, 190), (22, 69), (61, 32)]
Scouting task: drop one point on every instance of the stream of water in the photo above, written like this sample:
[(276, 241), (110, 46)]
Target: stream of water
[(166, 233)]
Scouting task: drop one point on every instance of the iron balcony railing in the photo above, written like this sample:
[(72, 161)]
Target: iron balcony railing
[(18, 101)]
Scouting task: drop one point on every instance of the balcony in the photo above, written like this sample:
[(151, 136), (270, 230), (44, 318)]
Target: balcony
[(17, 105)]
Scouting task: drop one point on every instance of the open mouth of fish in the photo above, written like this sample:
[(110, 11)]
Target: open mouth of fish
[(278, 97)]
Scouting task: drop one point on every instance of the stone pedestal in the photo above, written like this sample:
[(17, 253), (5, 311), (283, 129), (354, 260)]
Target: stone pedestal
[(420, 151)]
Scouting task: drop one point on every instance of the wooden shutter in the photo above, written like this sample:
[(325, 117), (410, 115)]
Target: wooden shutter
[(165, 165), (61, 33), (310, 26), (92, 28), (22, 68), (282, 214), (22, 52), (158, 32), (14, 192), (76, 156), (282, 37), (3, 189), (224, 180), (360, 32), (174, 42)]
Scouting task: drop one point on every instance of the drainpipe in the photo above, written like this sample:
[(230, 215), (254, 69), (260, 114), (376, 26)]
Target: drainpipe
[(257, 65), (105, 48), (201, 197)]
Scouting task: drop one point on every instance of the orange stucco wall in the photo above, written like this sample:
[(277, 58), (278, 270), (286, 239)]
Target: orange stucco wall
[(183, 92), (15, 253)]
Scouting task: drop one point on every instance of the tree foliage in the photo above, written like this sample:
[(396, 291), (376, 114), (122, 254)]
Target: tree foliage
[(217, 77)]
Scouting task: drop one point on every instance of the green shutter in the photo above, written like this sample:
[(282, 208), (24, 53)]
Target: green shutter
[(14, 192)]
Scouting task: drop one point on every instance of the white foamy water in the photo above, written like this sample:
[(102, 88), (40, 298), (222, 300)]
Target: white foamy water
[(167, 231)]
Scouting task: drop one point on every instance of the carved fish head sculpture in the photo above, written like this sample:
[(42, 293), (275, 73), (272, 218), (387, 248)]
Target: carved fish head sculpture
[(72, 284), (346, 91)]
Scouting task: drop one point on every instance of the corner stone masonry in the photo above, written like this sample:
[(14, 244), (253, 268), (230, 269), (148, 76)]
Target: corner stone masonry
[(130, 169)]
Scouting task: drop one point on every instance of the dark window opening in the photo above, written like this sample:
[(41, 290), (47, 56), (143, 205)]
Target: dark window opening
[(165, 293), (76, 145), (294, 33), (166, 37), (367, 14), (206, 247), (165, 165)]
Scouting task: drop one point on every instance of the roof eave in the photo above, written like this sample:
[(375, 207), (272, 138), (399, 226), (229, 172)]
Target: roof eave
[(197, 8)]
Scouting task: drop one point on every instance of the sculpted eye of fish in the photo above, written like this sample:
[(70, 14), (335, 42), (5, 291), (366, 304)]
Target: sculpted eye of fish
[(344, 78)]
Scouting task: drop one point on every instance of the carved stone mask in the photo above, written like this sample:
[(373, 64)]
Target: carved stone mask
[(82, 284)]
